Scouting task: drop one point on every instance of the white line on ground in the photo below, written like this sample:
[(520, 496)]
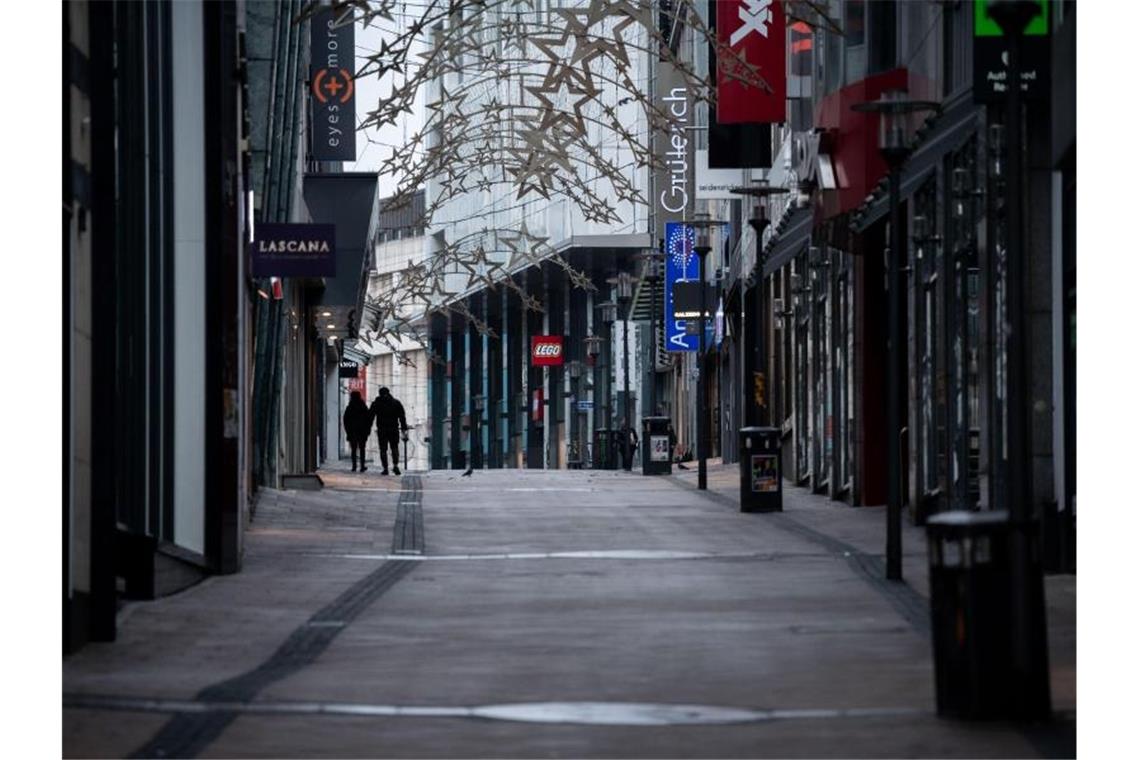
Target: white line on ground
[(581, 713)]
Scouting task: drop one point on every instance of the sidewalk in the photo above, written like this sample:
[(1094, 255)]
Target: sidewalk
[(548, 614), (864, 528)]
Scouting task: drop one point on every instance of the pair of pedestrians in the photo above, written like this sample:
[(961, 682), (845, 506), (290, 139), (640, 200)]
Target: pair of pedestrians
[(390, 422)]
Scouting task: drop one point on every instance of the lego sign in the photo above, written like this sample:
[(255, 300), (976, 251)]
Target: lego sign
[(546, 351)]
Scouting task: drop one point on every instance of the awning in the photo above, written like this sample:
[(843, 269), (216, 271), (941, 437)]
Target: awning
[(349, 201), (939, 136), (792, 235)]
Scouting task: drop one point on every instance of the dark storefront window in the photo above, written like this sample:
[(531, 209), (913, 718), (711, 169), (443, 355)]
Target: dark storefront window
[(843, 339), (929, 441), (963, 332), (996, 337), (822, 427), (801, 296)]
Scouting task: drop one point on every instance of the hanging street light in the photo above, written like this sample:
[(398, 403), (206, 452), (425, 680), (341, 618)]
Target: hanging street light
[(702, 225), (756, 361), (893, 108)]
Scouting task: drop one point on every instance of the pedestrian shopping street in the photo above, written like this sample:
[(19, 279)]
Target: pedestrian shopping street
[(545, 613)]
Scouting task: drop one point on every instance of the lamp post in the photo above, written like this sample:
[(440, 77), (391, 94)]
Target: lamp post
[(478, 401), (575, 369), (609, 316), (893, 109), (624, 297), (757, 413), (593, 348), (1030, 653), (702, 224)]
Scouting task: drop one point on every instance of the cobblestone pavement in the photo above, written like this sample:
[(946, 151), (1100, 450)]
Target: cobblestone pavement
[(544, 614)]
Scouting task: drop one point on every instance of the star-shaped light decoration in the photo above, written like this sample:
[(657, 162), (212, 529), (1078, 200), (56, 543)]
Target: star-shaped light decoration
[(525, 248), (481, 270)]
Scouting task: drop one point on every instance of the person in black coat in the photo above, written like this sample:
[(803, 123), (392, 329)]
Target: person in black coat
[(357, 426), (390, 422), (628, 441)]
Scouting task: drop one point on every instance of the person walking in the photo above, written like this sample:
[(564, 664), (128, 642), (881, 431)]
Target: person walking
[(629, 444), (357, 427), (390, 422)]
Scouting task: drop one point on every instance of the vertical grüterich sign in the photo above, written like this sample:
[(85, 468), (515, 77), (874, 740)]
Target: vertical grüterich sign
[(331, 84)]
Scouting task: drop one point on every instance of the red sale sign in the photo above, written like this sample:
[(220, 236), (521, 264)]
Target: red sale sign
[(754, 30), (546, 351)]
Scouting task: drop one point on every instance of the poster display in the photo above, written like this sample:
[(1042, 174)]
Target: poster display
[(765, 474), (658, 448)]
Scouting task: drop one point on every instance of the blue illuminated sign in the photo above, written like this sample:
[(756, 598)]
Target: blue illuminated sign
[(681, 263)]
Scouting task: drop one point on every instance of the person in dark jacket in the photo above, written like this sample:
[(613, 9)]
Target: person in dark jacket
[(628, 443), (390, 422), (357, 427)]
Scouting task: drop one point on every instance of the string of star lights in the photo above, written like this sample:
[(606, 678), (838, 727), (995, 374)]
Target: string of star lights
[(531, 101)]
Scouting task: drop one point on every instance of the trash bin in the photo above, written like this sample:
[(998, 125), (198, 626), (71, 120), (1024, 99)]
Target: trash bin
[(970, 602), (656, 454), (761, 471), (604, 455)]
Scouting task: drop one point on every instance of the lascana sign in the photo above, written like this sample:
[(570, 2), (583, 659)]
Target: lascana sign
[(546, 351), (293, 250)]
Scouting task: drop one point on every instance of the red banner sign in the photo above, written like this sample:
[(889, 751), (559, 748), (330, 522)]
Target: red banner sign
[(546, 351), (755, 31)]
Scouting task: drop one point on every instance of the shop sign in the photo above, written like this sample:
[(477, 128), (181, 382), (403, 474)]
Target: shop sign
[(716, 184), (991, 57), (348, 369), (546, 351), (753, 30), (681, 265), (765, 475), (359, 383), (537, 405), (332, 87), (293, 250), (674, 175)]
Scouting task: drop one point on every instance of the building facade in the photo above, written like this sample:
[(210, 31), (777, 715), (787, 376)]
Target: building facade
[(824, 267), (156, 314)]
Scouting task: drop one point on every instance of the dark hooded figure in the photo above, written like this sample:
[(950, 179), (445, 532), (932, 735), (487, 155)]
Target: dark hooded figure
[(357, 426), (389, 414)]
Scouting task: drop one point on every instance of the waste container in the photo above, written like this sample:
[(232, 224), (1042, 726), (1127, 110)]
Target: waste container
[(970, 602), (656, 453), (761, 471), (605, 457)]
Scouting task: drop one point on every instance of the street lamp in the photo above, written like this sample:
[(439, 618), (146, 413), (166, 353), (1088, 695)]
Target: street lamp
[(702, 224), (1030, 653), (893, 109), (478, 401), (609, 316), (593, 348), (574, 367), (757, 414), (624, 296)]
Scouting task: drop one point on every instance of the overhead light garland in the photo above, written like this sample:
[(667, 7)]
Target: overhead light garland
[(533, 90)]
